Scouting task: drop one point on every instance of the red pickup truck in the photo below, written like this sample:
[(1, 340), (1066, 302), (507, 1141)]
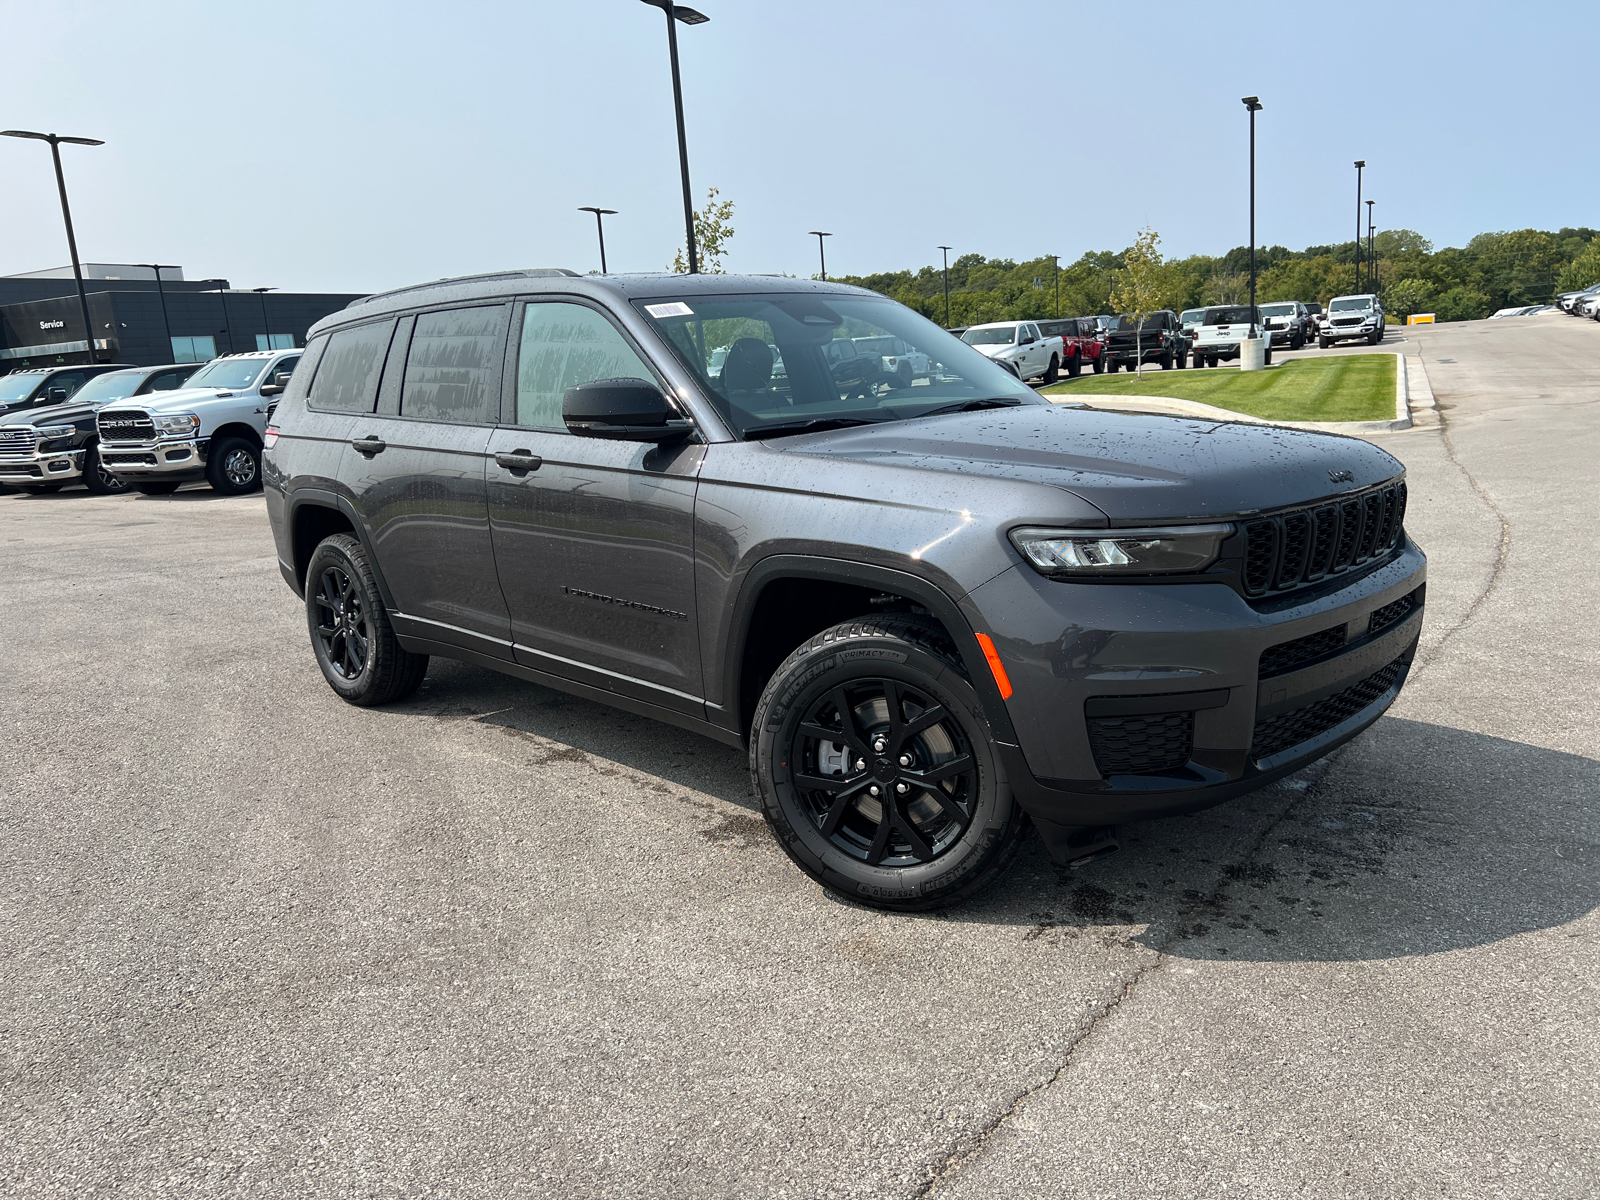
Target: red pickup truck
[(1081, 344)]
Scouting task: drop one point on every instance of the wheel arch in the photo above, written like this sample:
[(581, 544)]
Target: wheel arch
[(236, 429), (786, 598), (314, 514)]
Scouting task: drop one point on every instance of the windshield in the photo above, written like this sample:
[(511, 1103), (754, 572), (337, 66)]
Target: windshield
[(1192, 316), (1236, 314), (834, 369), (102, 389), (1353, 304), (1277, 310), (998, 335), (233, 374), (15, 387)]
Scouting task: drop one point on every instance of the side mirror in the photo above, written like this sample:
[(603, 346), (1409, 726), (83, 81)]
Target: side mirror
[(272, 389), (55, 395), (622, 410)]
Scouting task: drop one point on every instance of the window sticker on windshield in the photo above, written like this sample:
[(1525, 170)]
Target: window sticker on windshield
[(676, 309)]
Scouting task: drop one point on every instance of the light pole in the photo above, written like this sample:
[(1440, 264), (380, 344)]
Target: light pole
[(1372, 274), (1253, 104), (66, 213), (947, 250), (1055, 260), (819, 235), (1360, 163), (162, 292), (689, 16), (266, 327), (599, 226)]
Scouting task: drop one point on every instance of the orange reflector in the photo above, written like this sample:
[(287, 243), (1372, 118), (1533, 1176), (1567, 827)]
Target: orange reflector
[(998, 668)]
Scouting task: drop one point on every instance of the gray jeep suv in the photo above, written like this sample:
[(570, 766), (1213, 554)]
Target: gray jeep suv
[(932, 614)]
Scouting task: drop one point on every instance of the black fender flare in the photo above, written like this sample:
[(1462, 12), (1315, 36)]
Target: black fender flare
[(901, 583), (322, 498)]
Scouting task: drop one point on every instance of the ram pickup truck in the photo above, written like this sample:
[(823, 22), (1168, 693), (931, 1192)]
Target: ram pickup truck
[(209, 429), (1352, 317), (1222, 329), (1019, 347), (1160, 340), (39, 387), (45, 449)]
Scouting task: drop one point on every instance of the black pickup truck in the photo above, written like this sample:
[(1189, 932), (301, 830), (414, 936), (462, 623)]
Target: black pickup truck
[(1161, 339)]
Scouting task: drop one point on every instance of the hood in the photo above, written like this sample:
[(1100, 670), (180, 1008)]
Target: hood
[(183, 399), (1134, 467), (995, 349), (54, 414)]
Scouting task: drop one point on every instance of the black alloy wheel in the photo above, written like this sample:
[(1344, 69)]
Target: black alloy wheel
[(876, 769), (96, 478), (354, 644), (1053, 371)]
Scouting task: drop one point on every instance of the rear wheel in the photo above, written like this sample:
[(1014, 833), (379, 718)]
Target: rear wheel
[(95, 476), (351, 636), (1053, 371), (876, 769), (233, 466), (1266, 357), (1166, 360), (156, 489), (1111, 366), (1074, 365), (1182, 361)]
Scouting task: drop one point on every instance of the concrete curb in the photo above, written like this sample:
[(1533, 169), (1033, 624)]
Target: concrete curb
[(1405, 397)]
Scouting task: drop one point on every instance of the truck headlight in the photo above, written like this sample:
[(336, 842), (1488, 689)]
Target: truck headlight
[(1121, 551), (47, 433), (176, 424)]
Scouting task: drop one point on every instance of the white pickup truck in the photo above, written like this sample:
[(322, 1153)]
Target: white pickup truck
[(211, 428), (1018, 346)]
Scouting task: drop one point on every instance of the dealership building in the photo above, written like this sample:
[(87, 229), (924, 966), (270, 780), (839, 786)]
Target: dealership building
[(139, 319)]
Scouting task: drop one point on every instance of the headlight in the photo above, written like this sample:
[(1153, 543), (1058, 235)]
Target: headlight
[(50, 432), (177, 424), (1121, 551)]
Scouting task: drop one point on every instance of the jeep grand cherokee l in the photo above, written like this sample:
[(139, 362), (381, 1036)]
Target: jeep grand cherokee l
[(930, 615)]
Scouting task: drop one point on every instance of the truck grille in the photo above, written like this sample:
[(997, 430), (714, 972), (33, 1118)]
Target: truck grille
[(1142, 745), (17, 445), (126, 426), (1301, 547), (1348, 320), (1277, 734)]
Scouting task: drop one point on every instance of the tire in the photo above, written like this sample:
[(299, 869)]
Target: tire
[(1182, 361), (1297, 341), (1166, 360), (1213, 361), (901, 378), (956, 834), (1266, 357), (1053, 371), (156, 489), (1099, 364), (233, 466), (1375, 337), (1074, 365), (1111, 366), (97, 479), (352, 639), (1322, 343), (42, 489)]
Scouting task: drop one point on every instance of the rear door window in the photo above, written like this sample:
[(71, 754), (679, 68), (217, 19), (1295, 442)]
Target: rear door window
[(347, 377), (453, 366)]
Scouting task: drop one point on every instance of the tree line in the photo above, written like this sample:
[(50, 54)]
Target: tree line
[(1492, 271)]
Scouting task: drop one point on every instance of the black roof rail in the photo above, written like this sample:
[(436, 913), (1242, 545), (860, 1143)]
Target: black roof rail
[(488, 277)]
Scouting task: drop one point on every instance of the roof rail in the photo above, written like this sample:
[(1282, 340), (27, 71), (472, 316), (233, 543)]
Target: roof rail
[(529, 273)]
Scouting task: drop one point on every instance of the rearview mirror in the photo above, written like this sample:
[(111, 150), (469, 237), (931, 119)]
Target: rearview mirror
[(624, 410)]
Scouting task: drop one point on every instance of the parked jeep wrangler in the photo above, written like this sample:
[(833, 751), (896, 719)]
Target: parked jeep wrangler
[(209, 429), (1351, 317), (929, 615)]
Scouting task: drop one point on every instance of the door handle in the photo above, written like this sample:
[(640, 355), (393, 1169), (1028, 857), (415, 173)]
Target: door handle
[(370, 445), (519, 462)]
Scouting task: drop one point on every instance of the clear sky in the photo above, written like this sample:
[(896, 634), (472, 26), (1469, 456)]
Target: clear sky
[(346, 146)]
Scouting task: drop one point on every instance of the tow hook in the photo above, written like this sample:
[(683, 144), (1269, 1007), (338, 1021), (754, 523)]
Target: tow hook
[(1076, 846)]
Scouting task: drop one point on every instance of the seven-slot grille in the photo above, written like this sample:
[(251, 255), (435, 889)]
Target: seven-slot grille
[(1300, 547), (126, 426), (18, 445)]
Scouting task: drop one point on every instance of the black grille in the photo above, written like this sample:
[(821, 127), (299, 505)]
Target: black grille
[(1291, 656), (128, 459), (1395, 610), (1142, 745), (1299, 547), (126, 427), (1277, 734)]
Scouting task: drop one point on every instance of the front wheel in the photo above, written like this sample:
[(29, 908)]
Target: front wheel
[(1053, 371), (876, 769), (1074, 365), (1322, 343), (233, 466), (355, 645), (1297, 341), (1182, 361), (96, 478), (1166, 360), (1100, 364), (1266, 357)]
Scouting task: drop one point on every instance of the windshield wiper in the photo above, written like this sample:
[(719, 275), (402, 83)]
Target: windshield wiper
[(969, 406), (815, 425)]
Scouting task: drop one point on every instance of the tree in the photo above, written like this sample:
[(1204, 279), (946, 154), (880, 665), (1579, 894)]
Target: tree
[(1409, 296), (713, 230), (1142, 287), (1581, 271)]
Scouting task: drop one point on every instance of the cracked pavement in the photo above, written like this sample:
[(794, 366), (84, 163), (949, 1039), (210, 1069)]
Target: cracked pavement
[(497, 941)]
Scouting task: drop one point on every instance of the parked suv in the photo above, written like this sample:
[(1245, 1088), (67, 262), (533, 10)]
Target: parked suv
[(1080, 343), (1351, 317), (44, 449), (1220, 331), (209, 429), (1289, 323), (930, 615)]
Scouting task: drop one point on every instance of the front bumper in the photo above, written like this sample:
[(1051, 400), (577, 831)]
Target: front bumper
[(1346, 333), (1109, 677), (43, 466), (1282, 337), (180, 459)]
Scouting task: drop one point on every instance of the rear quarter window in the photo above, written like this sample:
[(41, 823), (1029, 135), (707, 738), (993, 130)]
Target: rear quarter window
[(347, 377)]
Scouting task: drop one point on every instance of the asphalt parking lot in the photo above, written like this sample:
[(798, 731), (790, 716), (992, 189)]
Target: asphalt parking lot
[(496, 941)]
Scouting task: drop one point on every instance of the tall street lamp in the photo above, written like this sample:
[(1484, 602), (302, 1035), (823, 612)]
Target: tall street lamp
[(819, 235), (599, 226), (947, 250), (66, 212), (1253, 104), (689, 16), (266, 327), (1372, 274), (1360, 163), (162, 292), (1055, 260)]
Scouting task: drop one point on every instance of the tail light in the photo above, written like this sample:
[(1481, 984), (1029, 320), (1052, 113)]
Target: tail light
[(270, 438)]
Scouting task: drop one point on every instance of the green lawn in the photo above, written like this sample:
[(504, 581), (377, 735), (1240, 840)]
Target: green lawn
[(1349, 387)]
